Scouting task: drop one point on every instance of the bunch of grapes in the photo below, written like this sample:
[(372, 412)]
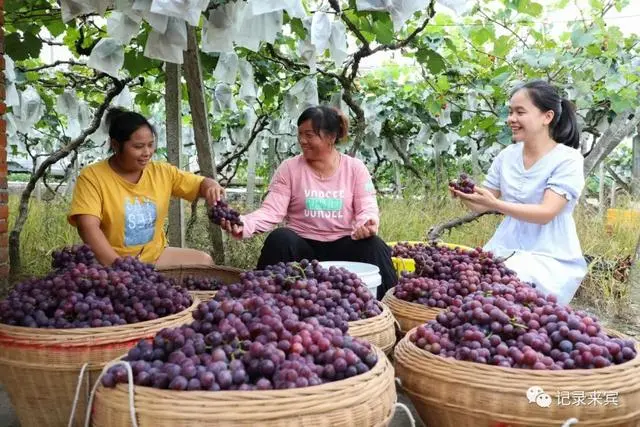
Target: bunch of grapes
[(244, 344), (463, 184), (82, 296), (465, 266), (334, 296), (525, 331), (193, 283), (70, 256), (223, 211)]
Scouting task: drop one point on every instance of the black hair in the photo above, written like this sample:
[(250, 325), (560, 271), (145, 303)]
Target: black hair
[(123, 123), (564, 126), (327, 119)]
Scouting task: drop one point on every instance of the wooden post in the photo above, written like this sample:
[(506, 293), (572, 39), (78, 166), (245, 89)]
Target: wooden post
[(635, 176), (173, 104), (192, 68), (601, 196)]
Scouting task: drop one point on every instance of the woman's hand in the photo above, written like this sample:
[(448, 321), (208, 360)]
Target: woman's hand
[(480, 200), (211, 191), (368, 229), (234, 230)]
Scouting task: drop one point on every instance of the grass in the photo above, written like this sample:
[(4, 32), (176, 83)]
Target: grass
[(401, 219)]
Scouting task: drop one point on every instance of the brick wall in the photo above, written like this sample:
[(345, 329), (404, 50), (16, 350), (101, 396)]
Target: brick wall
[(4, 207)]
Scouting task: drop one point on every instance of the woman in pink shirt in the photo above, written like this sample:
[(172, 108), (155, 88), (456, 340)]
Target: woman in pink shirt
[(327, 200)]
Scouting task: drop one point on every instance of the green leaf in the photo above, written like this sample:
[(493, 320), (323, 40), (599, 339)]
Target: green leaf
[(481, 35), (580, 38), (384, 31), (501, 46), (298, 28), (434, 61), (19, 50), (597, 5), (56, 27), (443, 83)]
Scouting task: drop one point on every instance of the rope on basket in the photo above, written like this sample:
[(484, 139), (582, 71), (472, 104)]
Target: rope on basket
[(132, 408), (77, 395), (408, 412), (570, 422)]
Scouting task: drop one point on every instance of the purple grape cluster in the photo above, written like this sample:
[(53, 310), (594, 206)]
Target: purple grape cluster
[(525, 331), (244, 344), (463, 184), (334, 296), (70, 256), (194, 283), (82, 296), (223, 211)]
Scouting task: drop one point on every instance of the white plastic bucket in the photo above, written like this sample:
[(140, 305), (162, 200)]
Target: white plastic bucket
[(368, 273)]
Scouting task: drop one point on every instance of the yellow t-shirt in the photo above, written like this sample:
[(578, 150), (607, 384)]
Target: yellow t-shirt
[(131, 215)]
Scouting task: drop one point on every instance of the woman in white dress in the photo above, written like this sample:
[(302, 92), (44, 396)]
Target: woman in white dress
[(536, 183)]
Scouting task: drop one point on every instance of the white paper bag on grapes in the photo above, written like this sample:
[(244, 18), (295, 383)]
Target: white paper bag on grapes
[(223, 98), (252, 30), (460, 7), (226, 68), (320, 31), (338, 43), (12, 97), (124, 99), (402, 10), (85, 116), (260, 7), (126, 7), (107, 56), (31, 107), (248, 91), (307, 52), (373, 5), (73, 8), (189, 10), (9, 69), (122, 28), (159, 46), (155, 20), (219, 30)]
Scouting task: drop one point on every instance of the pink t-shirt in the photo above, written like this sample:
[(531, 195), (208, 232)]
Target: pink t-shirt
[(323, 209)]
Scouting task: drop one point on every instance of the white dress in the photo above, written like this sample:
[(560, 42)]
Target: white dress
[(548, 255)]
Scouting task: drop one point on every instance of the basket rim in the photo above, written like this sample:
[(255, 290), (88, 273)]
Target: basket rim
[(391, 294), (17, 333), (362, 322), (468, 365)]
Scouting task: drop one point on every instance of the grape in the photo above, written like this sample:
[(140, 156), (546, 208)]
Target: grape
[(332, 297), (242, 350), (531, 334), (223, 211), (78, 295), (463, 184), (193, 283)]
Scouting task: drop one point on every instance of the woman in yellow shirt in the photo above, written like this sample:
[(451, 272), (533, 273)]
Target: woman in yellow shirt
[(120, 204)]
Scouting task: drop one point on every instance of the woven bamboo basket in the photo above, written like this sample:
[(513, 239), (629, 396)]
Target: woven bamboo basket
[(409, 314), (364, 400), (41, 368), (451, 393), (226, 275), (379, 331)]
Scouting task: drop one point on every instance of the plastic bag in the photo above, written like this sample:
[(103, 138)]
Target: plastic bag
[(122, 28), (320, 31), (307, 51), (85, 115), (219, 30), (223, 98), (156, 21), (9, 69), (160, 46), (338, 43), (189, 10), (31, 106), (248, 91), (226, 68), (12, 97), (126, 7), (107, 56)]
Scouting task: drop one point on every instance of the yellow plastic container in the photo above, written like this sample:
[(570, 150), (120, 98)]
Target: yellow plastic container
[(408, 265), (621, 217)]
